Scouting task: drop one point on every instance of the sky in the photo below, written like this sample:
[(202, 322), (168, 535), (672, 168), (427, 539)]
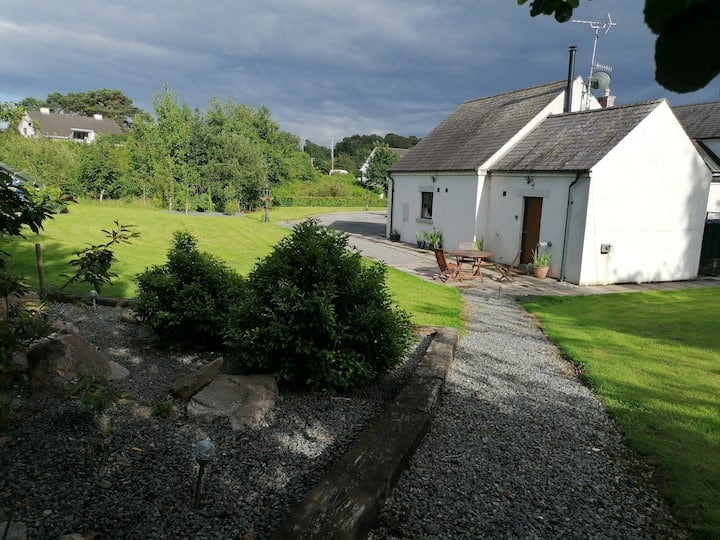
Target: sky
[(325, 69)]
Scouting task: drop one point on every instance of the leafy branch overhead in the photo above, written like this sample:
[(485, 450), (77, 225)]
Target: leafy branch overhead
[(685, 58)]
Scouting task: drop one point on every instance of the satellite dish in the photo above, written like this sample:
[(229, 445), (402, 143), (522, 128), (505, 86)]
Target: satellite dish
[(600, 80)]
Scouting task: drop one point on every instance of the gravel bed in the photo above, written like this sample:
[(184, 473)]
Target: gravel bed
[(128, 474), (519, 448)]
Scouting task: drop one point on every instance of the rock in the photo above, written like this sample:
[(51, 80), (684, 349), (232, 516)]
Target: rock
[(190, 384), (16, 531), (19, 361), (64, 327), (245, 400), (117, 372), (129, 316), (57, 362), (104, 484)]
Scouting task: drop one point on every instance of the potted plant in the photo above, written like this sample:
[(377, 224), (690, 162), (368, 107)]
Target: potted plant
[(421, 241), (541, 264), (434, 239), (394, 235)]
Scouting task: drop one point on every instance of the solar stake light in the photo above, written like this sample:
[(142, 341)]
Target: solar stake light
[(93, 295), (203, 452)]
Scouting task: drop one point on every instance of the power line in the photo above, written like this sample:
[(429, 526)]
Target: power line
[(399, 75)]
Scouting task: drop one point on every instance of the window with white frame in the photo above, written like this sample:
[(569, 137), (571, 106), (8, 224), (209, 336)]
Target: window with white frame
[(80, 134)]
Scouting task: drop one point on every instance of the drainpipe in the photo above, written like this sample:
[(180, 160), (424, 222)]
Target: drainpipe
[(568, 215), (392, 202)]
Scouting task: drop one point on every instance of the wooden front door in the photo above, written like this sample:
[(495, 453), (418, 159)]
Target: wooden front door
[(530, 228)]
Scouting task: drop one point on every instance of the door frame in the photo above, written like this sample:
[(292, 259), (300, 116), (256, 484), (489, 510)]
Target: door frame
[(530, 232)]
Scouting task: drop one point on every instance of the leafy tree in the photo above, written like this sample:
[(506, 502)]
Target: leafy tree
[(383, 158), (686, 34), (110, 103), (316, 315), (393, 140), (19, 208), (319, 156), (100, 169), (49, 162), (11, 113)]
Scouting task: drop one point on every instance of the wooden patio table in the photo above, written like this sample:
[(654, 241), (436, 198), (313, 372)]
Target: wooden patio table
[(475, 254)]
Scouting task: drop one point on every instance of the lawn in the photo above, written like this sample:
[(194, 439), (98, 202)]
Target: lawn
[(654, 359), (240, 241)]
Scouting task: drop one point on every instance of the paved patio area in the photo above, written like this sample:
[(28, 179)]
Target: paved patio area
[(367, 234)]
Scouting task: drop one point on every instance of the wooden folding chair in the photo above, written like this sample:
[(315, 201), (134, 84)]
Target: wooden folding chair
[(506, 274), (448, 270)]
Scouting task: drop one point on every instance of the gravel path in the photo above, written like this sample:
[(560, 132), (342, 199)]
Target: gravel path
[(520, 448)]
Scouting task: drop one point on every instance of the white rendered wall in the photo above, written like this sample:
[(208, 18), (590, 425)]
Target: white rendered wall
[(454, 206), (502, 229), (647, 200), (713, 204)]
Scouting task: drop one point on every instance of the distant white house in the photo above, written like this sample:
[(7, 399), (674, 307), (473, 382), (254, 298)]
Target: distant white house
[(614, 194), (399, 152), (43, 123)]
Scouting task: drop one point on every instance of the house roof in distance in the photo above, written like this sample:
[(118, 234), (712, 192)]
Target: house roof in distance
[(61, 125), (574, 141), (477, 129), (700, 120)]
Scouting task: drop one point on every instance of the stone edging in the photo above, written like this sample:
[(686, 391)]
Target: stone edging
[(345, 503)]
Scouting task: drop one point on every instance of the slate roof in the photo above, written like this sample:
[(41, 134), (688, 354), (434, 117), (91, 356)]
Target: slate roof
[(61, 125), (574, 141), (700, 120), (477, 129)]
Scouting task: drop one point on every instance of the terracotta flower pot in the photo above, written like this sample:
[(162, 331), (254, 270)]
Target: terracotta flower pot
[(541, 272)]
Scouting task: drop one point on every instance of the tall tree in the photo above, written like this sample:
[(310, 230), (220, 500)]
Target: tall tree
[(110, 103), (686, 30), (99, 169), (382, 159)]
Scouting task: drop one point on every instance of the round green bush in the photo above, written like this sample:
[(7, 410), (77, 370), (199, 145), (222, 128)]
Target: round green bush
[(186, 300), (317, 315)]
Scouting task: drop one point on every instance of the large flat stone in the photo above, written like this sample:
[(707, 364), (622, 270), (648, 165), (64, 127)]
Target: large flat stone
[(245, 400)]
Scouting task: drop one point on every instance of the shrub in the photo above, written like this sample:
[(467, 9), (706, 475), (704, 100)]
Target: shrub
[(185, 301), (316, 315)]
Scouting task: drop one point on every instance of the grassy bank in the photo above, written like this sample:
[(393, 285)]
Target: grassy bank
[(654, 360), (238, 240)]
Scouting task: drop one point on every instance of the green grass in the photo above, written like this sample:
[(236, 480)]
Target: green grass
[(654, 359), (240, 241)]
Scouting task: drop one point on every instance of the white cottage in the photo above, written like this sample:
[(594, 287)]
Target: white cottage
[(439, 183), (614, 195)]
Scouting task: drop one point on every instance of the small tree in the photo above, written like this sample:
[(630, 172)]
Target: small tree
[(94, 262), (316, 315)]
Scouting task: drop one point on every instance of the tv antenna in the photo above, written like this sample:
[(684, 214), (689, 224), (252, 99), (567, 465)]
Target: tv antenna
[(599, 78)]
